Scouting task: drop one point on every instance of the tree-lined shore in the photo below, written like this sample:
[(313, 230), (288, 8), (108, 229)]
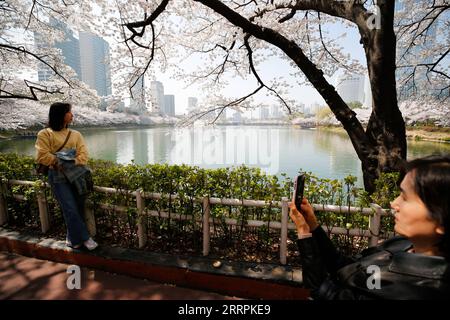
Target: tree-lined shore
[(417, 133)]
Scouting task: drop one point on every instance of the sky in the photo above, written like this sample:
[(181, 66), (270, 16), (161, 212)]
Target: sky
[(272, 67)]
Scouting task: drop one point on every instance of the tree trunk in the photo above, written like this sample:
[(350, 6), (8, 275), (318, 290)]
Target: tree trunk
[(382, 145), (386, 127)]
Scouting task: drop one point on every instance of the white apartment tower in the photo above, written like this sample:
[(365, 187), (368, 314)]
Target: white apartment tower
[(138, 96), (95, 64), (264, 112), (169, 105), (367, 93), (157, 97), (192, 104), (351, 88)]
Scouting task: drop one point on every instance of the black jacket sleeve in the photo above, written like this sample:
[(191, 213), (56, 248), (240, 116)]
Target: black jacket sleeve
[(331, 290), (331, 257), (315, 276), (313, 268), (320, 261)]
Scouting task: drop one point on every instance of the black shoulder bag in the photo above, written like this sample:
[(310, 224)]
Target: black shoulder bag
[(42, 168)]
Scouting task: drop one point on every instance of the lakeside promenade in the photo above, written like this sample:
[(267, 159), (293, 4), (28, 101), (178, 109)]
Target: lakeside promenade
[(25, 278)]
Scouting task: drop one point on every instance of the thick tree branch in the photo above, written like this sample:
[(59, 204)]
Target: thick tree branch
[(33, 87), (353, 11), (155, 14), (343, 113), (133, 26)]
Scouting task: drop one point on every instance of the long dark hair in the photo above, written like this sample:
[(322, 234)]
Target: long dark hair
[(56, 115), (431, 177)]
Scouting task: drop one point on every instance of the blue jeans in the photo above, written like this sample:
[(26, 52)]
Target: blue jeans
[(72, 206)]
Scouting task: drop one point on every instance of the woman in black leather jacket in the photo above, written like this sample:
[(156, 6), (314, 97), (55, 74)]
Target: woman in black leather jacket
[(414, 265)]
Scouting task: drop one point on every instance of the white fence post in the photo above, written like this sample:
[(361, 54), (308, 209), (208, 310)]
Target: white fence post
[(375, 224), (206, 216), (284, 229), (142, 219), (43, 212), (3, 204), (89, 218), (375, 212)]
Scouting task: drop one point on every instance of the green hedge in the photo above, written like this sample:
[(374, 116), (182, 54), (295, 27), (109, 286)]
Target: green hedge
[(192, 182)]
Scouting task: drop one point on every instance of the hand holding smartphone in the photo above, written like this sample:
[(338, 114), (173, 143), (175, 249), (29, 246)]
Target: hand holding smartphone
[(299, 187)]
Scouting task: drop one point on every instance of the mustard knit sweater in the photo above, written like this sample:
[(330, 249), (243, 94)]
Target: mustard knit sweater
[(48, 141)]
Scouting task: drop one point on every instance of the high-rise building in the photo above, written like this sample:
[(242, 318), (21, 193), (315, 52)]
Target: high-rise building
[(237, 117), (411, 79), (264, 112), (276, 112), (70, 50), (157, 97), (169, 104), (314, 108), (44, 72), (138, 96), (351, 88), (95, 64), (87, 55), (300, 107), (367, 93), (192, 104)]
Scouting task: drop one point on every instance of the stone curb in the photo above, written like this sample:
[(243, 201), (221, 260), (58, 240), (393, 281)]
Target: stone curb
[(246, 280)]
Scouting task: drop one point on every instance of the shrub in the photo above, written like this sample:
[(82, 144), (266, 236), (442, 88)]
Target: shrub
[(184, 236)]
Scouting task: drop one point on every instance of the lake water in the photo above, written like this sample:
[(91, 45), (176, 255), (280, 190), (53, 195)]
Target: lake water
[(275, 149)]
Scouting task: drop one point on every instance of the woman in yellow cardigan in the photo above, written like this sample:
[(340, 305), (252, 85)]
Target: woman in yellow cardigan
[(49, 141)]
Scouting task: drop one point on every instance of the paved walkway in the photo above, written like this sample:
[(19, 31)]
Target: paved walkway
[(28, 278)]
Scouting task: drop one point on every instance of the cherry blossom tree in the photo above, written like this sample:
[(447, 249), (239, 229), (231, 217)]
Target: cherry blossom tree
[(236, 34), (20, 55), (234, 37)]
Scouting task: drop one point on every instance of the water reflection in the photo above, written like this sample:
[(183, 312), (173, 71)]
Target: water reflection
[(274, 149), (419, 148), (226, 146)]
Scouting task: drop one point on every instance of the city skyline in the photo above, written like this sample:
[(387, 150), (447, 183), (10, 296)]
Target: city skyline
[(304, 94), (310, 97), (88, 55)]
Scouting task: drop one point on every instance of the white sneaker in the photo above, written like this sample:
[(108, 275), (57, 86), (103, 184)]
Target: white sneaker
[(90, 244)]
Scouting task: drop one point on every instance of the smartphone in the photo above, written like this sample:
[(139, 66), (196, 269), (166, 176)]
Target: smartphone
[(299, 187)]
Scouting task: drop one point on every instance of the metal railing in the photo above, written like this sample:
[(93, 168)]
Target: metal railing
[(373, 232)]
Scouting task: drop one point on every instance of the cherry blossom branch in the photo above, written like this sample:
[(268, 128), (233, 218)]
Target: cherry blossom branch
[(197, 116), (33, 87), (133, 26), (24, 51), (255, 73)]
